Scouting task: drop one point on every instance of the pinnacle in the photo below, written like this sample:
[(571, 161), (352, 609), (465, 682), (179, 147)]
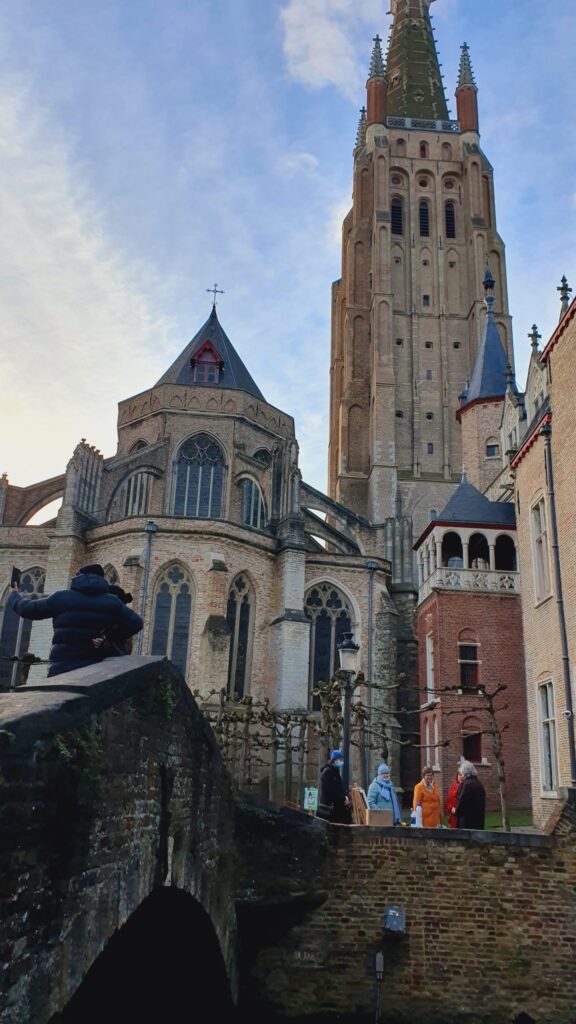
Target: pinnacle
[(565, 293), (466, 74), (535, 338), (377, 60), (361, 133)]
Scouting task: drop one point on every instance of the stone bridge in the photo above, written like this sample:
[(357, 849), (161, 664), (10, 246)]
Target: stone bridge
[(136, 885)]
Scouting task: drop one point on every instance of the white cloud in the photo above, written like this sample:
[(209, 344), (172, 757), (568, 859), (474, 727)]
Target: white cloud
[(292, 163), (76, 326), (319, 38), (339, 210)]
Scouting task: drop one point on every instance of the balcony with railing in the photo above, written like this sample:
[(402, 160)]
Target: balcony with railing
[(423, 124), (476, 580)]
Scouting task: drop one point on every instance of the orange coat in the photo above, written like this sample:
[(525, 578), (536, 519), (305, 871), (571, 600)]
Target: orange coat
[(431, 806)]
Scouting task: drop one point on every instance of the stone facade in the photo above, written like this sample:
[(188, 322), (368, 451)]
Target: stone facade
[(550, 407)]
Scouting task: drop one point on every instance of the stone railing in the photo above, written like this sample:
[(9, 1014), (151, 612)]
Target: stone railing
[(484, 580), (423, 124)]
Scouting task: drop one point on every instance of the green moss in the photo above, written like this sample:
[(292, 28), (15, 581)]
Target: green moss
[(79, 760), (163, 699)]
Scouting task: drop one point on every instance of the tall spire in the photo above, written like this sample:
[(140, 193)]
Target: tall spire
[(489, 377), (565, 293), (465, 74), (376, 86), (361, 133), (377, 60), (415, 87), (467, 93)]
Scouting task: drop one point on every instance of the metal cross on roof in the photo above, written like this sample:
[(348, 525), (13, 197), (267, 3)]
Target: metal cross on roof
[(214, 292), (565, 293)]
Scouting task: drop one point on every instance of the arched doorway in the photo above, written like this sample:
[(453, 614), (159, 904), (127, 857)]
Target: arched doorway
[(164, 964)]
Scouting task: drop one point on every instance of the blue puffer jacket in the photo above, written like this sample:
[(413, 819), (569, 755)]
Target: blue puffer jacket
[(80, 614)]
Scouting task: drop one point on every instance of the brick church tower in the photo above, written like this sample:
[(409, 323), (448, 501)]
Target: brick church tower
[(408, 313)]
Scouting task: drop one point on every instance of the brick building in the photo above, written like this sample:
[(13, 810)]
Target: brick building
[(469, 625), (542, 453)]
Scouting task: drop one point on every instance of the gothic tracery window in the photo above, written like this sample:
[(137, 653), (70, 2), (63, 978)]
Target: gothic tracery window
[(134, 495), (239, 619), (331, 616), (199, 478), (172, 612), (253, 510), (15, 632)]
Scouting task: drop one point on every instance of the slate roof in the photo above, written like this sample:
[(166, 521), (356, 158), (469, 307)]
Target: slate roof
[(415, 87), (233, 375), (469, 505), (490, 374)]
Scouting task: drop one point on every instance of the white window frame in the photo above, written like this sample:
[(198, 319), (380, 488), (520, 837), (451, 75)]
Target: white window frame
[(549, 772), (540, 551)]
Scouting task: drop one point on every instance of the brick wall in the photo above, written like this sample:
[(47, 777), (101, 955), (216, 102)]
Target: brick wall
[(490, 930), (494, 622)]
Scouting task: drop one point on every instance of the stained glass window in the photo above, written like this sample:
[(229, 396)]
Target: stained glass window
[(199, 478), (172, 614), (331, 617)]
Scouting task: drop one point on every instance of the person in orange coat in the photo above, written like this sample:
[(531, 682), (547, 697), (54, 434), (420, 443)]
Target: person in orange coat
[(426, 793), (452, 800)]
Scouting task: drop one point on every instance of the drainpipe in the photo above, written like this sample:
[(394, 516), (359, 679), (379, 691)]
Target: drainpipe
[(546, 433), (372, 567), (150, 529)]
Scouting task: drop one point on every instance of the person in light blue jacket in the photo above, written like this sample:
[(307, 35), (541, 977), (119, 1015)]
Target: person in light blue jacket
[(382, 795)]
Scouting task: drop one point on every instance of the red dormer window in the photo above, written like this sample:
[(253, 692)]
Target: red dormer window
[(207, 364)]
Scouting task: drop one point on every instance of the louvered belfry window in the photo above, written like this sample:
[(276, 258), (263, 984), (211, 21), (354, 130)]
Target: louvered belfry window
[(397, 215), (424, 219), (450, 220), (199, 478)]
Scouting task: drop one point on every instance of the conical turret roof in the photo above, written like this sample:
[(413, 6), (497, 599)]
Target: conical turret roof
[(415, 87), (489, 377), (469, 505), (465, 74), (233, 374)]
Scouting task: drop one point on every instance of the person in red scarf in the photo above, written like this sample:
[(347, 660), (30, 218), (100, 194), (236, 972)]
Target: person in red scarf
[(452, 801)]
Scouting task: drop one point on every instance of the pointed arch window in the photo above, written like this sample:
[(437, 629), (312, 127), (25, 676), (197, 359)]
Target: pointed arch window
[(199, 478), (330, 615), (450, 216), (134, 495), (423, 150), (424, 219), (397, 215), (15, 632), (253, 510), (239, 614), (172, 613)]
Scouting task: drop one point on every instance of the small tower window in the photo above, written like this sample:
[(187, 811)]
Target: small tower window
[(429, 415), (206, 365), (423, 182), (456, 344), (492, 451), (450, 220), (423, 150), (399, 414), (428, 374), (428, 344), (424, 219), (396, 179), (400, 145), (399, 342), (397, 214), (425, 300), (430, 448)]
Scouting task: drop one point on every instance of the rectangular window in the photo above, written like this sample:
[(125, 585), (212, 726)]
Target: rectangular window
[(548, 738), (429, 666), (469, 666), (540, 552), (425, 300), (492, 451), (430, 449), (472, 747)]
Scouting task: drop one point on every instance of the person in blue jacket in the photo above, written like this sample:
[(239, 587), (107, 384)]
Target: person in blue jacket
[(382, 795), (85, 611)]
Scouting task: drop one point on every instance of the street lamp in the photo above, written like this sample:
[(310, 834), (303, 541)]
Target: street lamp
[(348, 652)]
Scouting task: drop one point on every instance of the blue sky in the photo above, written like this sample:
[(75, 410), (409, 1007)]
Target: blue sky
[(152, 147)]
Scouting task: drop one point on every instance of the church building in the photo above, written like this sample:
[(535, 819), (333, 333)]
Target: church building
[(247, 577)]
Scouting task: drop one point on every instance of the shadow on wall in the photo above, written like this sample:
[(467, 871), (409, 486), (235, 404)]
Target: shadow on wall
[(164, 965)]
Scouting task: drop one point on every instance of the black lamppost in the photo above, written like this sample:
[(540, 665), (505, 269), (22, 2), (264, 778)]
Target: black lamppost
[(348, 652)]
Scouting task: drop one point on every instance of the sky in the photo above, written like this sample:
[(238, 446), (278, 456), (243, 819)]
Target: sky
[(149, 148)]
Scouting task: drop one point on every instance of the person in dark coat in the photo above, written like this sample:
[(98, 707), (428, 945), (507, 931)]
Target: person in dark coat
[(85, 611), (109, 642), (471, 806), (333, 804)]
